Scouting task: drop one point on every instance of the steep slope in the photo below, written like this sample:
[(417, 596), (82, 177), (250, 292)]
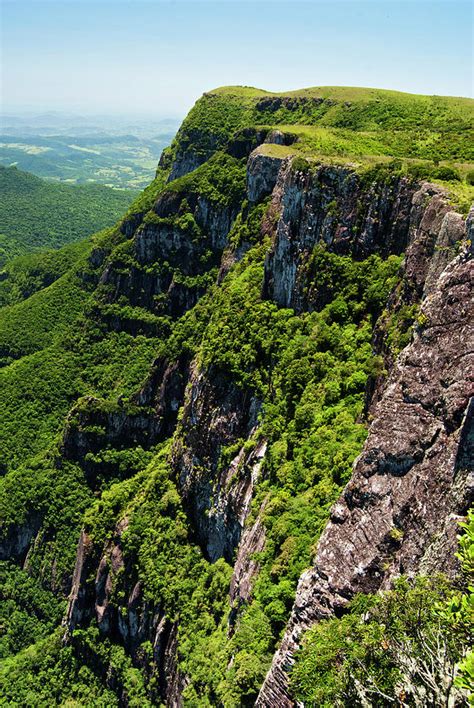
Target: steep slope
[(414, 477), (225, 387), (36, 214)]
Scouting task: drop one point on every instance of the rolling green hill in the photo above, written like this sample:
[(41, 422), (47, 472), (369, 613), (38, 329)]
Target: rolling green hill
[(35, 214), (125, 161), (345, 122)]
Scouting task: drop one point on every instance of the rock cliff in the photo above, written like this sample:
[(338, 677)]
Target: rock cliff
[(411, 483), (278, 306), (414, 479)]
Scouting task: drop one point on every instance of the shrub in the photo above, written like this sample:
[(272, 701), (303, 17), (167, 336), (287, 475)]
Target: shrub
[(400, 646), (449, 174), (470, 177)]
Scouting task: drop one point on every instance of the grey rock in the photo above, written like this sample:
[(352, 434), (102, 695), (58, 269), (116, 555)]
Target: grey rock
[(262, 173), (333, 207), (216, 414), (245, 566)]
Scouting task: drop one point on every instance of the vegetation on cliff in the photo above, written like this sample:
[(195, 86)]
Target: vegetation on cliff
[(332, 121), (103, 347), (410, 645)]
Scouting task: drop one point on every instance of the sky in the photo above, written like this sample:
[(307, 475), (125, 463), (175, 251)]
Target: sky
[(156, 57)]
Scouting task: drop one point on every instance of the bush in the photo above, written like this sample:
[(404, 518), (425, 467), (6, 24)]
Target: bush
[(449, 174), (400, 646), (470, 177)]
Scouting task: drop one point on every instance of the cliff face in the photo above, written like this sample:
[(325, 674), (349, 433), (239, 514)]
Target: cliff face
[(332, 207), (414, 478), (224, 418), (412, 482), (216, 413)]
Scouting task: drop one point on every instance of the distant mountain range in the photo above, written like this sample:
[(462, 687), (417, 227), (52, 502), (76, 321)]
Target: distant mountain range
[(53, 122), (114, 151)]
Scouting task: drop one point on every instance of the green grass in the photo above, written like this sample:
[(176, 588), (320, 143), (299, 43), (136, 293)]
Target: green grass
[(339, 122)]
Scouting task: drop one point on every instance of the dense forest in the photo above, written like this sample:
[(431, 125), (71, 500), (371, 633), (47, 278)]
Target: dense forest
[(196, 403), (36, 214)]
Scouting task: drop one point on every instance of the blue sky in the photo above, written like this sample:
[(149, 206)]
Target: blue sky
[(157, 57)]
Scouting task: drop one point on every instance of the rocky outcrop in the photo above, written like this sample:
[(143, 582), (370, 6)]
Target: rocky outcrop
[(217, 494), (148, 417), (271, 104), (246, 567), (262, 174), (16, 539), (130, 621), (245, 141), (80, 599), (413, 481), (164, 270), (333, 206), (278, 137)]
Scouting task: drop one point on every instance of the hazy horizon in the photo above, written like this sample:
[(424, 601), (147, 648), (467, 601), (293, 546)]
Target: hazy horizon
[(77, 56)]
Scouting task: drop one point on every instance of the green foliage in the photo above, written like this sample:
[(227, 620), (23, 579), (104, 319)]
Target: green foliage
[(447, 174), (33, 323), (399, 326), (174, 575), (145, 200), (211, 122), (35, 394), (36, 214), (247, 227), (337, 121), (26, 275), (299, 164), (51, 674), (462, 609), (310, 370), (221, 179), (28, 612), (400, 645)]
